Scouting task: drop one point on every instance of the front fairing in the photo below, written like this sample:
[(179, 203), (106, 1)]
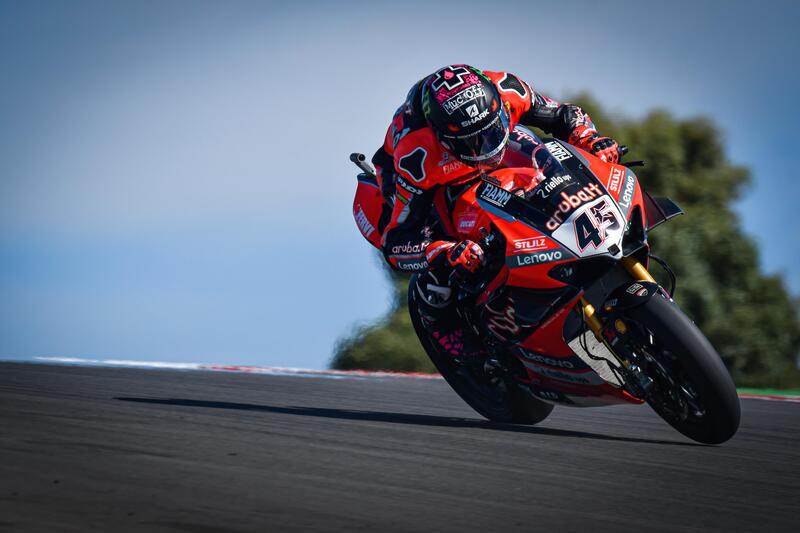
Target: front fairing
[(567, 202)]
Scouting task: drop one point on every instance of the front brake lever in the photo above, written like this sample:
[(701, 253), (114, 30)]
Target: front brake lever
[(623, 151)]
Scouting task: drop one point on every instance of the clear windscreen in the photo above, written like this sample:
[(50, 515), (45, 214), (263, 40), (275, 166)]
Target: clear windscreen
[(551, 186)]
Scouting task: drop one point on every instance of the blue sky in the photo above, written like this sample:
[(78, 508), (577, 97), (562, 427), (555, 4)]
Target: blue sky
[(174, 182)]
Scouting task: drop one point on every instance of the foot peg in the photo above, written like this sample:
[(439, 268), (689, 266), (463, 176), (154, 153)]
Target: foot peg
[(494, 367)]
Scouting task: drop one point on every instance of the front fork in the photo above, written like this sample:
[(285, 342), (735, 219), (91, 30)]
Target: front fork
[(638, 272)]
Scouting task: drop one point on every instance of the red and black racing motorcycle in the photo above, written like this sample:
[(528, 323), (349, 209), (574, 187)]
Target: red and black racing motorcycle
[(566, 306)]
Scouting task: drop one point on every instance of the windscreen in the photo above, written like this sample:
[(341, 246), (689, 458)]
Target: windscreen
[(561, 191), (549, 190)]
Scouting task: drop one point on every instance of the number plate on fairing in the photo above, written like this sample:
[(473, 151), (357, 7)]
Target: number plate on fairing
[(593, 229)]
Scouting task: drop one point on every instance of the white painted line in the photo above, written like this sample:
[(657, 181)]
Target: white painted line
[(273, 371), (296, 372)]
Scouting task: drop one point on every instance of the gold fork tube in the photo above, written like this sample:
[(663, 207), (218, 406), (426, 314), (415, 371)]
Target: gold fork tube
[(591, 318), (636, 269)]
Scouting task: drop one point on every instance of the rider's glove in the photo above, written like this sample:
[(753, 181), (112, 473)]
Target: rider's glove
[(605, 148), (464, 258)]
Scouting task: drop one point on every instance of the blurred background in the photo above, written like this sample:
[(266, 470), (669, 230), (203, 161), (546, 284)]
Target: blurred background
[(174, 175)]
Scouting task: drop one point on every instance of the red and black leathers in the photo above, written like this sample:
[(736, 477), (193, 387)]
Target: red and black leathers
[(412, 163)]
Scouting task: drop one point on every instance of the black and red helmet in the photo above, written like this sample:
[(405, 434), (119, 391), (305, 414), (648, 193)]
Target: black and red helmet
[(464, 109)]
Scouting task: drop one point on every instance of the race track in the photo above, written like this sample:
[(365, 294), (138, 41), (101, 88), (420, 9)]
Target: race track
[(109, 449)]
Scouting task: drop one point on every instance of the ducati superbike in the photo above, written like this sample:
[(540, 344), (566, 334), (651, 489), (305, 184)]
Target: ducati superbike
[(565, 305)]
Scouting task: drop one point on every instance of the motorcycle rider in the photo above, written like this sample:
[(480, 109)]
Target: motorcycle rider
[(454, 124)]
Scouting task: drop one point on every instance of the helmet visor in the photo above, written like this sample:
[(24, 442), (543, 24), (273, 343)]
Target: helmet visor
[(482, 146)]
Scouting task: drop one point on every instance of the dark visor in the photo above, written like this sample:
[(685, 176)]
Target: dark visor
[(484, 144)]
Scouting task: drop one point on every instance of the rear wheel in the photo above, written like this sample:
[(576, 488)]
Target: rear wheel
[(498, 399), (691, 390)]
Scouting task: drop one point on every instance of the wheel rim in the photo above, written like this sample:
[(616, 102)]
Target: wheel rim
[(675, 394)]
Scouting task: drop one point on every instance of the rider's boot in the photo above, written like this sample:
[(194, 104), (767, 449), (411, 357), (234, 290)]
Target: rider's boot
[(439, 316)]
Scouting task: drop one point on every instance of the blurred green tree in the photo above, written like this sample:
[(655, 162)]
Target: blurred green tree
[(749, 317)]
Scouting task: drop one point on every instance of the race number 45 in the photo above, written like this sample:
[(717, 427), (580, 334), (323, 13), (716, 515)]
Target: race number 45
[(591, 226)]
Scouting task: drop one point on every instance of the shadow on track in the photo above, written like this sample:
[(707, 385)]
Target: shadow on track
[(395, 418)]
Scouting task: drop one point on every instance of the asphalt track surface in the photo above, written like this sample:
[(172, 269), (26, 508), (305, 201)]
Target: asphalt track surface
[(109, 449)]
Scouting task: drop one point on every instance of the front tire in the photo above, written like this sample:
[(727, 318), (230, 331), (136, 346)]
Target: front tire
[(692, 389), (499, 400)]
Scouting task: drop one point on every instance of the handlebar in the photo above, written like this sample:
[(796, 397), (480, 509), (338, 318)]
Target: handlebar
[(360, 161), (624, 150)]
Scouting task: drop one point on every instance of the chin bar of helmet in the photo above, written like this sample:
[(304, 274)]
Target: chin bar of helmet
[(361, 162)]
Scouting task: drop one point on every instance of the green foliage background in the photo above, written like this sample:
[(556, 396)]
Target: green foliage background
[(749, 317)]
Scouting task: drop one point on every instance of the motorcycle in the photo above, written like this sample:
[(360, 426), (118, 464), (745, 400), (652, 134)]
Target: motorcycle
[(565, 305)]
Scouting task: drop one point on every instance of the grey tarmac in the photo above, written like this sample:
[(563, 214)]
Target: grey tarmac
[(117, 450)]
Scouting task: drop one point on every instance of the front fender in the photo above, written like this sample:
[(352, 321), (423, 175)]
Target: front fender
[(629, 295)]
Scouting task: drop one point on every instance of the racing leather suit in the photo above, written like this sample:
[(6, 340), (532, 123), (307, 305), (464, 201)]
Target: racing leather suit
[(412, 164)]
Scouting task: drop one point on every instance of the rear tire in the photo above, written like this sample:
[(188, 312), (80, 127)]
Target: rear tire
[(704, 405), (500, 400)]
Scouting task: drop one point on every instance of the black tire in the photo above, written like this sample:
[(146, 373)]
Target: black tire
[(501, 401), (695, 365)]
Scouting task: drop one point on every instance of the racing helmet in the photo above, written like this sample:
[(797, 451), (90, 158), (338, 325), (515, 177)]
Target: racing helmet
[(464, 110)]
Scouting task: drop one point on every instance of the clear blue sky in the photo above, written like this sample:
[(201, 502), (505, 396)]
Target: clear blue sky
[(174, 182)]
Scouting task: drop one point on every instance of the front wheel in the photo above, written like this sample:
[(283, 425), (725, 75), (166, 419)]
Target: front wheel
[(691, 389), (497, 399)]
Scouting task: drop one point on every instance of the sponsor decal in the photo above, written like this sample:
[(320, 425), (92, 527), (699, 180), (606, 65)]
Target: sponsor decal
[(450, 81), (536, 258), (495, 195), (523, 135), (412, 265), (615, 179), (408, 248), (558, 151), (451, 77), (547, 395), (449, 164), (532, 244), (476, 116), (407, 186), (552, 184), (467, 221), (545, 101), (571, 201), (553, 318), (503, 323), (591, 225), (462, 98), (633, 288), (363, 223), (559, 375), (627, 193), (550, 361)]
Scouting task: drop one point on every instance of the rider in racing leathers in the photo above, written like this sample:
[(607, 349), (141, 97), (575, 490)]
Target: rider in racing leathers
[(454, 124)]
